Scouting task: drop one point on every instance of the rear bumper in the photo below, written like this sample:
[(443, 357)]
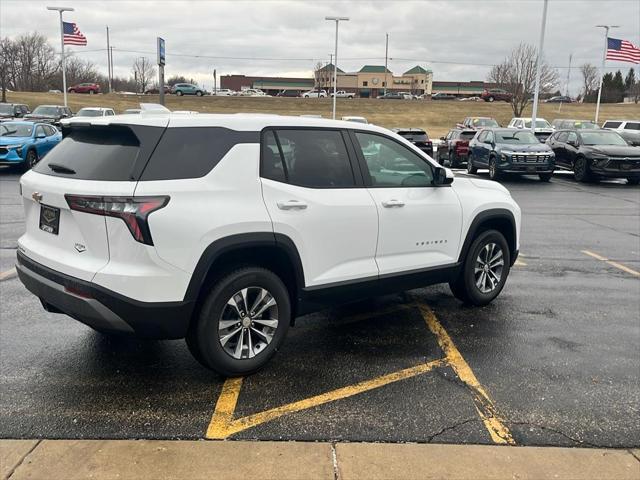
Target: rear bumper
[(103, 309)]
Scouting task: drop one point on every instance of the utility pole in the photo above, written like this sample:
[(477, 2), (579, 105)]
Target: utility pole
[(335, 66), (109, 60), (64, 62), (604, 59), (161, 62), (386, 59), (215, 82), (536, 94)]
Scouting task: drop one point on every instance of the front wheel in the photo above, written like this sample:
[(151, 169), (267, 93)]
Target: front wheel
[(32, 159), (470, 168), (491, 99), (581, 170), (494, 173), (484, 271), (179, 93), (633, 181), (198, 93), (243, 322)]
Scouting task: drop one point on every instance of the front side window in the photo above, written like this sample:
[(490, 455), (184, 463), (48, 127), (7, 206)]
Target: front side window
[(562, 137), (40, 131), (611, 124), (390, 164), (311, 158), (482, 136), (572, 137)]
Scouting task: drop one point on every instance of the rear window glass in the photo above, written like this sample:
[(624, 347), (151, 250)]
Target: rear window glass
[(93, 153), (467, 135), (192, 152)]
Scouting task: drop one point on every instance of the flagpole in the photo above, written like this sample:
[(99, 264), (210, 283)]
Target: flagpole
[(64, 63), (604, 59), (536, 93)]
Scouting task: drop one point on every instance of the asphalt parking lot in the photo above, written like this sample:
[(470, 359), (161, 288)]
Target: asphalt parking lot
[(555, 360)]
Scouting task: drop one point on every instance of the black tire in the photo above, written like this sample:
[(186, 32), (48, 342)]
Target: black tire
[(32, 160), (545, 177), (581, 170), (494, 173), (470, 167), (490, 99), (72, 91), (179, 93), (464, 288), (198, 93), (633, 181), (453, 160), (203, 337)]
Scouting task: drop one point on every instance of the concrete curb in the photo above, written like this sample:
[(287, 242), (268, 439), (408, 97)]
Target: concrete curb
[(159, 459)]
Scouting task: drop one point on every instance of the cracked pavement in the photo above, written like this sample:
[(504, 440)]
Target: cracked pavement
[(558, 352)]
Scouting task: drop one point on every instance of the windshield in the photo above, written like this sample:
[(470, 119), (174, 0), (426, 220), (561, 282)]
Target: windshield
[(602, 138), (521, 138), (16, 130), (85, 112), (484, 122), (539, 124), (5, 108), (46, 111), (587, 125)]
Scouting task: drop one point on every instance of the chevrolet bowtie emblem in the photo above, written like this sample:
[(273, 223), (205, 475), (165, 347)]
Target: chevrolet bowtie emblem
[(36, 196)]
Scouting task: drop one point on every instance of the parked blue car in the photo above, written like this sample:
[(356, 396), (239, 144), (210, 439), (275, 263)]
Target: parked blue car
[(24, 143)]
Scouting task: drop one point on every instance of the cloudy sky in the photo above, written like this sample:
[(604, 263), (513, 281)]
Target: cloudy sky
[(455, 38)]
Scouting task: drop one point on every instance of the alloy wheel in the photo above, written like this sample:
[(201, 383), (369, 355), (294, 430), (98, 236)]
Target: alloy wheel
[(248, 322), (488, 268)]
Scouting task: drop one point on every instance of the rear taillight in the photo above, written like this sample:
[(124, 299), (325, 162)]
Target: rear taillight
[(133, 210)]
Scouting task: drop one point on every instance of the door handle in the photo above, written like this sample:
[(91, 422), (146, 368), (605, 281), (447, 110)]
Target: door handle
[(393, 203), (292, 205)]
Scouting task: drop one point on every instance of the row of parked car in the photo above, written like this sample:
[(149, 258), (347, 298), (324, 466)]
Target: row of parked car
[(581, 146)]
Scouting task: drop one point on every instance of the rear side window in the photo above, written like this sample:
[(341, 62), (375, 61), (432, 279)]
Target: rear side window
[(93, 153), (312, 158), (192, 152), (632, 126)]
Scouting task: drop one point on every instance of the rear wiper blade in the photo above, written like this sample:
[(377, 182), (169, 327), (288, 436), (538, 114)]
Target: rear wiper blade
[(61, 168)]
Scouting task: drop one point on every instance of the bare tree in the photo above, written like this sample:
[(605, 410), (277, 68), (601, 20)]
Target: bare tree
[(144, 73), (517, 75), (589, 79), (34, 64), (7, 64)]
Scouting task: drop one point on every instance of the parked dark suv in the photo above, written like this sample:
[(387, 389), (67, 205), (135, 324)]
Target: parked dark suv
[(288, 93), (10, 111), (593, 154), (493, 94), (418, 137), (50, 113), (505, 150)]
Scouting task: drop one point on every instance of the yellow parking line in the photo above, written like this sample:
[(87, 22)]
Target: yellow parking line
[(484, 405), (617, 265), (8, 274), (222, 425), (226, 405)]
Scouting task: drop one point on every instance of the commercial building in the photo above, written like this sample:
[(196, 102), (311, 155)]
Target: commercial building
[(371, 81), (462, 89), (269, 85)]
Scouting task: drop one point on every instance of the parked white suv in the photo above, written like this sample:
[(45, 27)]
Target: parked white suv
[(542, 129), (224, 228), (315, 94)]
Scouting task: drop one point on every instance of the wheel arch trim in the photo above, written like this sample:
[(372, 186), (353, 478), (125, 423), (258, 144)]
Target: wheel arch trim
[(484, 217)]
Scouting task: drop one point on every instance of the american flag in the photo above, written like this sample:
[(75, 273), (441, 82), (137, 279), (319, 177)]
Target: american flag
[(622, 50), (72, 35)]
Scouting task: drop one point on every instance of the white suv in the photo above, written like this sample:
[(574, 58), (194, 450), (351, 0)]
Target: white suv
[(224, 228), (315, 94)]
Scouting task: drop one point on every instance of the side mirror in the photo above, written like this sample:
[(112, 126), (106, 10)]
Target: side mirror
[(573, 143), (520, 127), (41, 135), (442, 176)]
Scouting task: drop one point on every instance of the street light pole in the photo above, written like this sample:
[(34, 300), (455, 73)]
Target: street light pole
[(64, 63), (536, 94), (604, 58), (335, 65)]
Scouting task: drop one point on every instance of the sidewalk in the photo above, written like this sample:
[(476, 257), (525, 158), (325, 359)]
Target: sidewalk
[(157, 459)]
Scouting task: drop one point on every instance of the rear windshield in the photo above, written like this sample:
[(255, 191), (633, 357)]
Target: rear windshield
[(467, 135), (94, 153), (484, 122), (85, 112)]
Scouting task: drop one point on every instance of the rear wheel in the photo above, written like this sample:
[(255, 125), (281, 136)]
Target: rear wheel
[(491, 99), (242, 323), (470, 167), (484, 271), (545, 177), (633, 181), (179, 93), (72, 90), (581, 170), (198, 93)]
